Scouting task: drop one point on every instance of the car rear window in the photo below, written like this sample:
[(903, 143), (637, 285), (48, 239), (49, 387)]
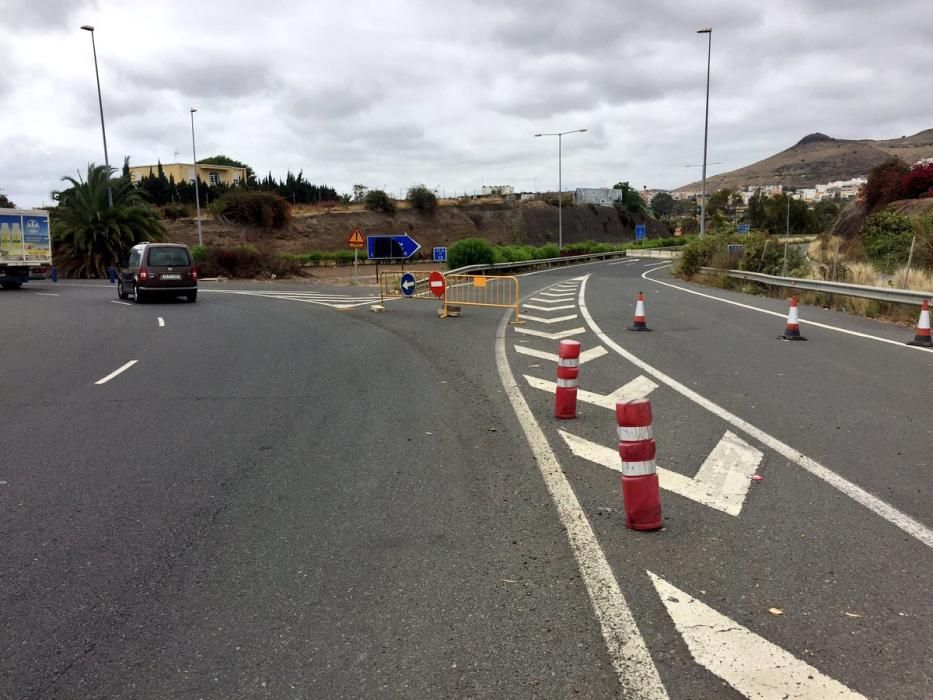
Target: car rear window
[(168, 257)]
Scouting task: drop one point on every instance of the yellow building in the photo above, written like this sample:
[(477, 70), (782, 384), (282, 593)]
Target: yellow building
[(184, 172)]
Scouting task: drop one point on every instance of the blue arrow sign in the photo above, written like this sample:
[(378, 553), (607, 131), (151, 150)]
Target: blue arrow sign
[(440, 255), (391, 247), (639, 232), (407, 284)]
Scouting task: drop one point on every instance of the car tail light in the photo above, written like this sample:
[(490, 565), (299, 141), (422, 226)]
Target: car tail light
[(143, 274), (194, 274)]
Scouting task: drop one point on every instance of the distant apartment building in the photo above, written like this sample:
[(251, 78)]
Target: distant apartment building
[(685, 194), (497, 190), (601, 196), (184, 172), (647, 195)]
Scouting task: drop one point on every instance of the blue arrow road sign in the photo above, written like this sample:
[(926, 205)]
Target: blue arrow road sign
[(391, 247), (639, 232), (407, 284), (440, 255)]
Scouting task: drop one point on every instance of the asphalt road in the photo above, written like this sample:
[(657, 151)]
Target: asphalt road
[(288, 495)]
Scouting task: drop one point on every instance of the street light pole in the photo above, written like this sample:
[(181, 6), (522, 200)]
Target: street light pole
[(100, 103), (560, 183), (197, 196), (709, 53)]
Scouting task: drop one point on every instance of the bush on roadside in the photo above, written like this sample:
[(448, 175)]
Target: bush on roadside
[(176, 211), (244, 262), (377, 200), (470, 251), (886, 238), (423, 200), (199, 253), (255, 208)]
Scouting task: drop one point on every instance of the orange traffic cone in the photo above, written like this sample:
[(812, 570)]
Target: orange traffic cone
[(922, 338), (792, 327), (639, 324)]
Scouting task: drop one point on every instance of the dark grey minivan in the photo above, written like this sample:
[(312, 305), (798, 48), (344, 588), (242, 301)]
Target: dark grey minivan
[(158, 269)]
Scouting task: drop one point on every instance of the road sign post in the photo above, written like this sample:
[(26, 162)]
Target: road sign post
[(407, 284), (391, 247), (440, 254), (356, 241), (640, 230), (436, 283), (742, 228)]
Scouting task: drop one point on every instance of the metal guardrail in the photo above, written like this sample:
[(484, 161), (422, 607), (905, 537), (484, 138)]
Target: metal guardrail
[(889, 294), (568, 259)]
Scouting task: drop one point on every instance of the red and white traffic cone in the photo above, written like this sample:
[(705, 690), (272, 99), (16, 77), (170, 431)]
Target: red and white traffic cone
[(792, 327), (639, 324), (568, 369), (641, 495), (922, 338)]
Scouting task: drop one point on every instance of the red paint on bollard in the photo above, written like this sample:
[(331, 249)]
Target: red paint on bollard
[(568, 370), (641, 494)]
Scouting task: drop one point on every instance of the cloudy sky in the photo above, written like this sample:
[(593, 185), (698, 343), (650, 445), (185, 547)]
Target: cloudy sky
[(395, 92)]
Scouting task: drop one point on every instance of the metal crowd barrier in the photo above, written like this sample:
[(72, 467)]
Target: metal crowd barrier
[(482, 290)]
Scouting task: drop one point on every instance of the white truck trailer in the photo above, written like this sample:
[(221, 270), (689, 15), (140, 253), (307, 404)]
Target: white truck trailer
[(25, 246)]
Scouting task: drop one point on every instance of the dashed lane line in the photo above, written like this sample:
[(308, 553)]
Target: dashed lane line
[(161, 322), (116, 372)]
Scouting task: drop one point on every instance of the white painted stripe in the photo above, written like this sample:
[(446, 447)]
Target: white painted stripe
[(621, 262), (755, 667), (45, 294), (638, 388), (556, 319), (585, 356), (815, 324), (550, 336), (876, 505), (116, 372), (123, 303), (161, 322), (541, 300), (568, 361), (657, 264), (645, 468), (567, 383), (628, 653), (558, 296), (549, 308), (634, 434)]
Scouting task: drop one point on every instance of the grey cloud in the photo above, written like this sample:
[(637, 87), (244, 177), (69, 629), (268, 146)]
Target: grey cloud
[(202, 76), (46, 14)]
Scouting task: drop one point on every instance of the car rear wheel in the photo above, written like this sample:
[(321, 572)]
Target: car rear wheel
[(137, 294), (192, 296), (121, 291)]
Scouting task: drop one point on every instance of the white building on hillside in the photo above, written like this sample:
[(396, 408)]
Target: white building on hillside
[(602, 196), (497, 190)]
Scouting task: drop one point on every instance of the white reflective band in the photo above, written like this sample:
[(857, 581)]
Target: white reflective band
[(638, 468), (568, 362), (567, 383), (437, 283), (634, 434)]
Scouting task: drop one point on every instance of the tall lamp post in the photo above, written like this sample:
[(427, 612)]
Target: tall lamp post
[(100, 103), (197, 197), (560, 184), (709, 51)]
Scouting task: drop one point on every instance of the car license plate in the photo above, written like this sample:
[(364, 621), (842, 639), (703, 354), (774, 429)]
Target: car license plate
[(171, 277)]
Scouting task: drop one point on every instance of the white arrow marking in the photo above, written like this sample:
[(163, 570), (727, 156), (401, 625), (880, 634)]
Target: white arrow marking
[(722, 482), (585, 356), (751, 664), (551, 336), (558, 294), (550, 308), (552, 301), (407, 285), (556, 319), (638, 388)]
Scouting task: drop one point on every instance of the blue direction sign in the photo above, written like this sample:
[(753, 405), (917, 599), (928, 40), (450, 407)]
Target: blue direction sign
[(742, 228), (639, 232), (392, 247), (440, 255), (407, 284)]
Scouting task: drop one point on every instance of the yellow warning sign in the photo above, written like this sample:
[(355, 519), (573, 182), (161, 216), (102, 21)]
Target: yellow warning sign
[(479, 281), (356, 239)]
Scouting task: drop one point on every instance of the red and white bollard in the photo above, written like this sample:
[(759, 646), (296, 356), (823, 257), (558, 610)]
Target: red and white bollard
[(568, 369), (640, 491), (640, 323)]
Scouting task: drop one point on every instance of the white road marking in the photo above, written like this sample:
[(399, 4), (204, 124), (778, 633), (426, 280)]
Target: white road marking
[(816, 324), (558, 295), (585, 356), (553, 301), (549, 308), (912, 527), (116, 372), (550, 336), (161, 322), (45, 294), (123, 303), (622, 262), (638, 388), (721, 483), (661, 264), (337, 301), (755, 667), (634, 667), (556, 319)]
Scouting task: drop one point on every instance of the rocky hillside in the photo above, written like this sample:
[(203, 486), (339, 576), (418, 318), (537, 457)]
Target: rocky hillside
[(819, 158), (500, 222)]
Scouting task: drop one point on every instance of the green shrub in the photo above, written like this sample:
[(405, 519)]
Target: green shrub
[(176, 211), (422, 199), (470, 251), (199, 253), (886, 238), (244, 262), (255, 208), (377, 200)]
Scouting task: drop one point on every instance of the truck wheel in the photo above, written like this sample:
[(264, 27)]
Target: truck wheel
[(121, 292), (11, 285)]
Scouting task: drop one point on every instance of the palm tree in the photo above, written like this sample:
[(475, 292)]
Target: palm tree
[(89, 235)]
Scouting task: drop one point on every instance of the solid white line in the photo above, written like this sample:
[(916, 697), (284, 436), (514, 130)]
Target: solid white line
[(781, 315), (634, 667), (585, 356), (661, 264), (123, 303), (556, 319), (551, 336), (116, 372), (45, 294), (161, 322), (856, 493), (749, 663), (549, 308)]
